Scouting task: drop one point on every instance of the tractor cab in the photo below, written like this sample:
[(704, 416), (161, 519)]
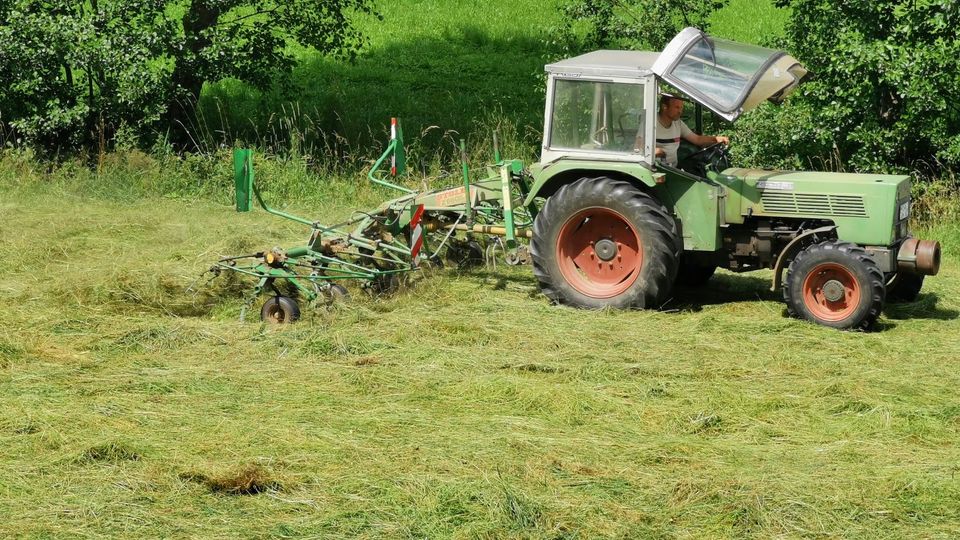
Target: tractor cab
[(603, 105)]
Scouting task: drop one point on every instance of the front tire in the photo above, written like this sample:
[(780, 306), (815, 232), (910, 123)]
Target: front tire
[(600, 242), (835, 284)]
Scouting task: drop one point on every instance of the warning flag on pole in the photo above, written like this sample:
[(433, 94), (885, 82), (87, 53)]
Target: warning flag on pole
[(416, 232)]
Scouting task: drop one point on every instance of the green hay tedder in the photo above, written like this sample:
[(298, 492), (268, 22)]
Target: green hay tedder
[(605, 223)]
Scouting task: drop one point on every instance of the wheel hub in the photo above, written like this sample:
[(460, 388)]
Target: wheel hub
[(833, 290), (606, 249)]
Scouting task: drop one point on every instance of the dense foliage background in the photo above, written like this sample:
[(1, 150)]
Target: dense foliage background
[(294, 75), (886, 91), (77, 74)]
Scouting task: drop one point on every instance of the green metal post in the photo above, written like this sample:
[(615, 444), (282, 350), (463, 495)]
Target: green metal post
[(243, 178), (466, 181), (507, 206)]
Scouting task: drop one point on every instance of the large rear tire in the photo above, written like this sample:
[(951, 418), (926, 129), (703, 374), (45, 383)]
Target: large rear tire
[(600, 242), (835, 284)]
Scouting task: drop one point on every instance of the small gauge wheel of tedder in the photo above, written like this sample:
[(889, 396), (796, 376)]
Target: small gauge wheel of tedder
[(280, 310)]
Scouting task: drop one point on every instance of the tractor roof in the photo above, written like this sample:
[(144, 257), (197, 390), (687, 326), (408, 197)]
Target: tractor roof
[(727, 77), (631, 64)]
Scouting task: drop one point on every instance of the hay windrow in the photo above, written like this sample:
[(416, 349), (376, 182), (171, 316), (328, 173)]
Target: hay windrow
[(249, 479)]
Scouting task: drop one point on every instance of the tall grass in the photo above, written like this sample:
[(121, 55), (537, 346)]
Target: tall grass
[(318, 178), (750, 21), (442, 65)]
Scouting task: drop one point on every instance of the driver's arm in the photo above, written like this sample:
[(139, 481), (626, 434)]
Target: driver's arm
[(705, 140)]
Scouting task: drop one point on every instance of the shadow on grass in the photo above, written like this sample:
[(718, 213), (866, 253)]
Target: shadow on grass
[(925, 307), (722, 289), (132, 292), (500, 277)]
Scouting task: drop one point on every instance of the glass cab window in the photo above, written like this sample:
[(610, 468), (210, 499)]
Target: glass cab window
[(721, 70), (593, 116), (728, 77)]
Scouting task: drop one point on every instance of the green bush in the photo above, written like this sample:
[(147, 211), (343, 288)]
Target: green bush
[(76, 73), (631, 24), (885, 91)]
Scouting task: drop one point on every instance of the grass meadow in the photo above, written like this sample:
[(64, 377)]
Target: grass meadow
[(465, 405), (440, 67)]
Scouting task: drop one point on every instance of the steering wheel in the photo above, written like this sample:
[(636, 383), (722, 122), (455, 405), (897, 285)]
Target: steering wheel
[(601, 132), (713, 148), (713, 156)]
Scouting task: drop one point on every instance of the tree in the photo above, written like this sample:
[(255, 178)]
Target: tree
[(886, 91), (633, 24), (74, 71)]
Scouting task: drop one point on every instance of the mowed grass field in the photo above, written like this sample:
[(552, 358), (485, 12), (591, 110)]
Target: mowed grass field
[(465, 406)]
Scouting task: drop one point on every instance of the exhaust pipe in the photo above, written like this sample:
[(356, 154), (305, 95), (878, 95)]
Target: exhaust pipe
[(919, 257)]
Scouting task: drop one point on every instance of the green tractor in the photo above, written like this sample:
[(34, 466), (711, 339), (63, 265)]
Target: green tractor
[(620, 228), (608, 224)]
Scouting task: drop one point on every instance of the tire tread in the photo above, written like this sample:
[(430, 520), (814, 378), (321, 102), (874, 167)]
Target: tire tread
[(877, 288), (665, 241)]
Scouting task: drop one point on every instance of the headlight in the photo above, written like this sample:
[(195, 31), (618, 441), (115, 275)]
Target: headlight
[(904, 211)]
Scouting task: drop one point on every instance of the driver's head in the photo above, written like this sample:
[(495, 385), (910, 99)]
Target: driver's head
[(671, 107)]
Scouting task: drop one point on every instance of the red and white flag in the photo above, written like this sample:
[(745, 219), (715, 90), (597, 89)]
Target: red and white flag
[(416, 233), (393, 137)]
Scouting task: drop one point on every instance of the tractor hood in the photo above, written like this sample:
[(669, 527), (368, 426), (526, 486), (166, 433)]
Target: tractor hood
[(727, 77)]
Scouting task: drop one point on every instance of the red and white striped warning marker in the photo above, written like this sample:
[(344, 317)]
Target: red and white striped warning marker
[(393, 137), (416, 233)]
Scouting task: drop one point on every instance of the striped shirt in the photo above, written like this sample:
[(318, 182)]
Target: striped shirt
[(668, 138)]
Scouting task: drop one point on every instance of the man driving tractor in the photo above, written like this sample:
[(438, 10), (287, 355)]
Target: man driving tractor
[(670, 129)]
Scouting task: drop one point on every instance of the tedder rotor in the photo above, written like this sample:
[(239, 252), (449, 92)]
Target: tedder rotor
[(378, 247)]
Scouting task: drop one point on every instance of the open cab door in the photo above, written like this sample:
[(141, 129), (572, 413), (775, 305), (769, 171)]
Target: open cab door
[(727, 77)]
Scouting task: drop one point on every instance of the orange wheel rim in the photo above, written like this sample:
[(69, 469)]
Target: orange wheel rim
[(831, 292), (599, 252)]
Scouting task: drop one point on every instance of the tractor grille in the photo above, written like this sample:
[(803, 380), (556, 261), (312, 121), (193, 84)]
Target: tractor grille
[(812, 204)]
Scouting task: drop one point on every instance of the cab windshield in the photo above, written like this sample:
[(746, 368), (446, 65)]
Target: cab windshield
[(722, 70), (597, 116), (728, 77)]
